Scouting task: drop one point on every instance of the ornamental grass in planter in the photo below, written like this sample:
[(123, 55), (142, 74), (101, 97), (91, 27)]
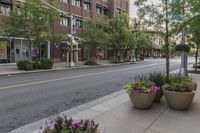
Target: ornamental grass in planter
[(158, 79), (141, 94), (64, 125), (179, 92)]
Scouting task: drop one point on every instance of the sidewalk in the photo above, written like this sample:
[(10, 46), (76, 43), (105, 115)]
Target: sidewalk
[(10, 69), (116, 114)]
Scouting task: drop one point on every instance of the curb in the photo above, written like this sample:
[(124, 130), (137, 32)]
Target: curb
[(60, 69)]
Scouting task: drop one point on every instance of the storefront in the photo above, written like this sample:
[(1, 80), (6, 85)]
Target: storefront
[(14, 49)]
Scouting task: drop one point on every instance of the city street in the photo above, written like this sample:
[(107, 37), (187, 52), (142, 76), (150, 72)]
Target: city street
[(26, 98)]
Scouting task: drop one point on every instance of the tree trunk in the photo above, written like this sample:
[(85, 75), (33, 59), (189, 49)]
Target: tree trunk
[(196, 58), (167, 39)]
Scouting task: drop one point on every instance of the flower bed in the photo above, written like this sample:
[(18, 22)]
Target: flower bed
[(64, 125)]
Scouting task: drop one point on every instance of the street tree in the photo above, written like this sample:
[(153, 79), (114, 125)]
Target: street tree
[(189, 12), (32, 20), (121, 34), (94, 35), (162, 16)]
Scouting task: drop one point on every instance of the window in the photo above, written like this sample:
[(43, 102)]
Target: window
[(87, 4), (64, 21), (105, 11), (65, 1), (5, 9), (99, 9), (78, 23), (76, 3)]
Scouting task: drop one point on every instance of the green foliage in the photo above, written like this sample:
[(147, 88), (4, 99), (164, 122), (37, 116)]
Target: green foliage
[(95, 34), (25, 65), (35, 65), (140, 86), (46, 63), (180, 84), (182, 47), (121, 34), (116, 62), (90, 63), (32, 21), (157, 78), (143, 40)]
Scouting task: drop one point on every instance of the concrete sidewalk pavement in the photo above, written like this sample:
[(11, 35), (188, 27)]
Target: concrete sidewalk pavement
[(116, 114)]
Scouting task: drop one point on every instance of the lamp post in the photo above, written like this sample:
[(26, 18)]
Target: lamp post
[(184, 57), (72, 31), (183, 69)]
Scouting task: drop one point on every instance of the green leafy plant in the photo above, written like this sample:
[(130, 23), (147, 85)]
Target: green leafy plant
[(25, 65), (90, 63), (182, 47), (157, 78), (46, 63), (140, 86), (180, 84)]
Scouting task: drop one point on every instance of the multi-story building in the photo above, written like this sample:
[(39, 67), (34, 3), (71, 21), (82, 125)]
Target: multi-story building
[(72, 13)]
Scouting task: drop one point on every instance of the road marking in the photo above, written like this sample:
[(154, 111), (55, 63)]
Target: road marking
[(73, 77)]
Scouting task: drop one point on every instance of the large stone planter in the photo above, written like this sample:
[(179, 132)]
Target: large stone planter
[(142, 100), (179, 100)]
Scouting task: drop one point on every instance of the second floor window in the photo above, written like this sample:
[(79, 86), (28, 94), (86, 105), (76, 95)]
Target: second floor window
[(65, 1), (87, 4), (99, 9), (5, 9), (76, 3), (64, 21)]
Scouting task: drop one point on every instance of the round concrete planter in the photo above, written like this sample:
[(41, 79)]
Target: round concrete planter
[(159, 95), (179, 100), (142, 100)]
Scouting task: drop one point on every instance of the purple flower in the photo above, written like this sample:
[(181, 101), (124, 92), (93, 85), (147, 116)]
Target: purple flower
[(153, 89), (135, 89)]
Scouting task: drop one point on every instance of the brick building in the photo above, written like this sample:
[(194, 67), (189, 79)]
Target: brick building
[(72, 12)]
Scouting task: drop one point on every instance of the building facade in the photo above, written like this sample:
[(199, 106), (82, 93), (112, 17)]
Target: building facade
[(72, 13)]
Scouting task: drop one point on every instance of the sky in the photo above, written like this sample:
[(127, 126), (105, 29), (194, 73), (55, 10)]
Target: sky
[(132, 9)]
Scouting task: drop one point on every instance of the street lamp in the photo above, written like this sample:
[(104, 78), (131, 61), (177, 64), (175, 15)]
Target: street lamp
[(72, 31), (183, 68)]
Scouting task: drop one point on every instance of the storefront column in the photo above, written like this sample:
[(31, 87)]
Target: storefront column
[(76, 54), (49, 50), (67, 56), (20, 55)]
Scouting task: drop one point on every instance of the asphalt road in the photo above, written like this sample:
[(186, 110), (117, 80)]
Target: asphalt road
[(30, 97)]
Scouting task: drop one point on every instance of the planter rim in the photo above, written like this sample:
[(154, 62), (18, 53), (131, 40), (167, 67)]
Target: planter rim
[(141, 93), (180, 92)]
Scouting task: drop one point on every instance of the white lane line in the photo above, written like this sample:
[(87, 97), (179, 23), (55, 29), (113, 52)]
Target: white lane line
[(73, 77)]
